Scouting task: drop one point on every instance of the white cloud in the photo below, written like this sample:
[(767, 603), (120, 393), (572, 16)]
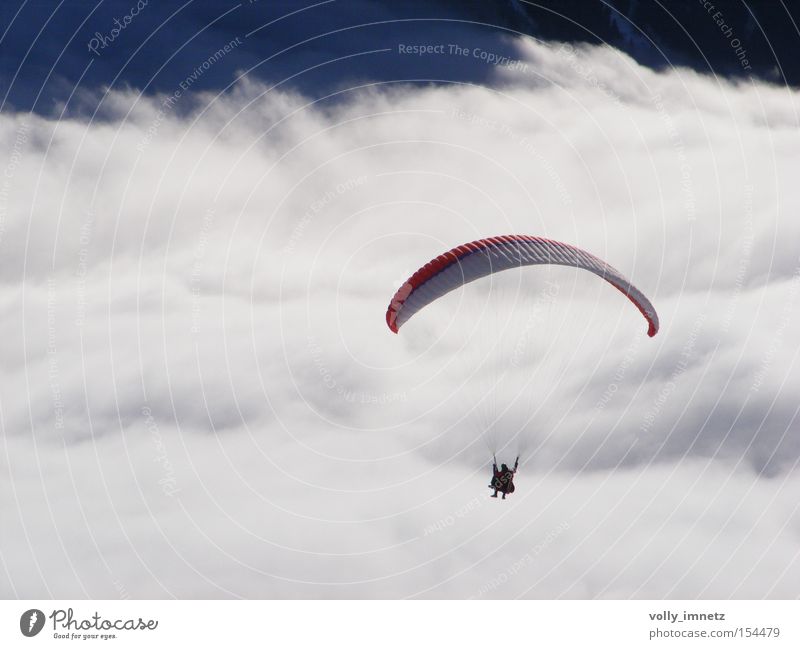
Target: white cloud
[(201, 397)]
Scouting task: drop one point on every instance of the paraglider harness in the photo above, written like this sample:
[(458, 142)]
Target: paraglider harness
[(503, 481)]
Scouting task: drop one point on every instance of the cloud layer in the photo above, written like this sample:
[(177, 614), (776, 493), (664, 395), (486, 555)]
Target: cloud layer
[(201, 397)]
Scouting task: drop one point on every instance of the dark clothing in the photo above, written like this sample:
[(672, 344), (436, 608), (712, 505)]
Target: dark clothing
[(503, 480), (508, 482)]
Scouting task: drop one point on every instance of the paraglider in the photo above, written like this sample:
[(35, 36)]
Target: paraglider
[(503, 478), (472, 261)]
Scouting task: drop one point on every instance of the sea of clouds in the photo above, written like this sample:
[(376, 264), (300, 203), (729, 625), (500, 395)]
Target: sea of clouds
[(201, 398)]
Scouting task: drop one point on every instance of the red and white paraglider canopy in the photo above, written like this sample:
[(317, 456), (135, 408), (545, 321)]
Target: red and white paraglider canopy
[(480, 258)]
